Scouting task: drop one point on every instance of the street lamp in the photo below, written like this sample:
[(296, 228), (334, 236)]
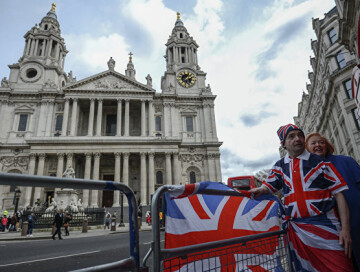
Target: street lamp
[(17, 195), (121, 210)]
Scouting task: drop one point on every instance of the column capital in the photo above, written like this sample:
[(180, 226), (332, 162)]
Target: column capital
[(119, 100), (67, 99), (75, 99), (176, 154), (143, 154), (143, 100), (117, 155), (151, 154), (168, 154), (88, 155), (42, 156), (92, 99), (32, 156), (97, 155), (127, 100), (100, 100), (126, 154), (69, 155), (60, 155)]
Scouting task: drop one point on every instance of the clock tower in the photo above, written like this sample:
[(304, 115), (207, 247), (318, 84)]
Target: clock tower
[(183, 74)]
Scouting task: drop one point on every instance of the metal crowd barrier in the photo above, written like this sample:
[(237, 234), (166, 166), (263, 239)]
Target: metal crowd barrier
[(184, 258), (129, 264)]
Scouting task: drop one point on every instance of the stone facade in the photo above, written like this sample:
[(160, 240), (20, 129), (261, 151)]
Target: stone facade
[(108, 126), (328, 107)]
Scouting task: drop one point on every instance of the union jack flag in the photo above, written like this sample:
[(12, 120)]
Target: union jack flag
[(193, 218)]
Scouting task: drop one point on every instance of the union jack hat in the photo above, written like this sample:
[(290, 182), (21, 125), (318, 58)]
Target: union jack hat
[(284, 130)]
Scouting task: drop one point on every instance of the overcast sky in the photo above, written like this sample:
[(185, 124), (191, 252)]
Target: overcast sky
[(256, 55)]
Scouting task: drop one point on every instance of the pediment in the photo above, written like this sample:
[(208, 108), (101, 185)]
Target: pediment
[(188, 110), (24, 108), (109, 80)]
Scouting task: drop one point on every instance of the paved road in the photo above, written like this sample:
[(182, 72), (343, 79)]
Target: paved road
[(68, 254)]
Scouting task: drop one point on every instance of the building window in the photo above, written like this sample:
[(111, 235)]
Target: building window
[(347, 85), (340, 60), (159, 177), (356, 116), (192, 177), (158, 123), (110, 125), (22, 122), (332, 36), (189, 123), (58, 124)]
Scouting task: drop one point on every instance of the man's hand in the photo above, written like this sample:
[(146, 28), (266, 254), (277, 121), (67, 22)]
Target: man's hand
[(345, 241), (259, 191)]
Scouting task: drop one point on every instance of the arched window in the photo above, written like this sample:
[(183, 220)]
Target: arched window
[(46, 27), (158, 123), (192, 177), (159, 177)]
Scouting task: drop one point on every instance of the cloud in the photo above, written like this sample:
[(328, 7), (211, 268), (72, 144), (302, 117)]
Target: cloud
[(282, 35), (234, 165), (251, 120)]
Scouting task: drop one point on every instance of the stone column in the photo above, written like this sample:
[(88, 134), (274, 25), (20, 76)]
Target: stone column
[(117, 178), (99, 118), (151, 174), (143, 187), (40, 172), (73, 117), (94, 193), (207, 122), (211, 162), (127, 112), (143, 124), (125, 175), (27, 47), (166, 119), (151, 118), (42, 119), (213, 123), (218, 168), (168, 168), (118, 117), (66, 117), (36, 47), (91, 117), (49, 48), (49, 119), (31, 170), (87, 175), (60, 167), (176, 168), (174, 121)]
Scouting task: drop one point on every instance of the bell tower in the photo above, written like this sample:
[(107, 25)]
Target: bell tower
[(43, 59), (183, 74)]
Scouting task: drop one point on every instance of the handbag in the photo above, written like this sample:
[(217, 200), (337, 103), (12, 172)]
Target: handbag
[(66, 225)]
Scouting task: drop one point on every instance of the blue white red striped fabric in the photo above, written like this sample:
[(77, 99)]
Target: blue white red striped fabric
[(195, 218), (284, 130), (308, 185)]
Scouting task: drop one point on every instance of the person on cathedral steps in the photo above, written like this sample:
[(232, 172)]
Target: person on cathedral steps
[(310, 186), (350, 170), (58, 222)]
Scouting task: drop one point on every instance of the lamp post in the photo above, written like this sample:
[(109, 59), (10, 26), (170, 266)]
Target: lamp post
[(121, 224), (17, 195)]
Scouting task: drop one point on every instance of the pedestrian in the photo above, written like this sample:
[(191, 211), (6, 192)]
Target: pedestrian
[(12, 226), (68, 218), (310, 186), (58, 222), (139, 214), (148, 217), (31, 222), (3, 223), (107, 220), (350, 170)]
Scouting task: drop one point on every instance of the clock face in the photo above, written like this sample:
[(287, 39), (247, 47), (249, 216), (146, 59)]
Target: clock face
[(186, 79)]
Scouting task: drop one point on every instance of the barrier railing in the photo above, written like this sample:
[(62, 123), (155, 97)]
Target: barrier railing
[(131, 263), (184, 258)]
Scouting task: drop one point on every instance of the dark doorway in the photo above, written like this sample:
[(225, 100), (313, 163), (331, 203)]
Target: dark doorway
[(108, 196), (111, 125)]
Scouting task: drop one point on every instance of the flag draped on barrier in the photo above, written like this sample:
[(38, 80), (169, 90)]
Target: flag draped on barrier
[(194, 218)]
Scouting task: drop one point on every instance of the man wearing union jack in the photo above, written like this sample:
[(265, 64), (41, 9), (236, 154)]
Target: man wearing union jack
[(311, 189)]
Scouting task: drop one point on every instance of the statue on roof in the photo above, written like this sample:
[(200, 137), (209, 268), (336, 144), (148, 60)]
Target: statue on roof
[(111, 64)]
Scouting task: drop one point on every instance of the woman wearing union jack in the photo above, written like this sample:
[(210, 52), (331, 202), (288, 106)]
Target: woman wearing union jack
[(311, 187)]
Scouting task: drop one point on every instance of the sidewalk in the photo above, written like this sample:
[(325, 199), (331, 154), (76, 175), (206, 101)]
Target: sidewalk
[(39, 234)]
